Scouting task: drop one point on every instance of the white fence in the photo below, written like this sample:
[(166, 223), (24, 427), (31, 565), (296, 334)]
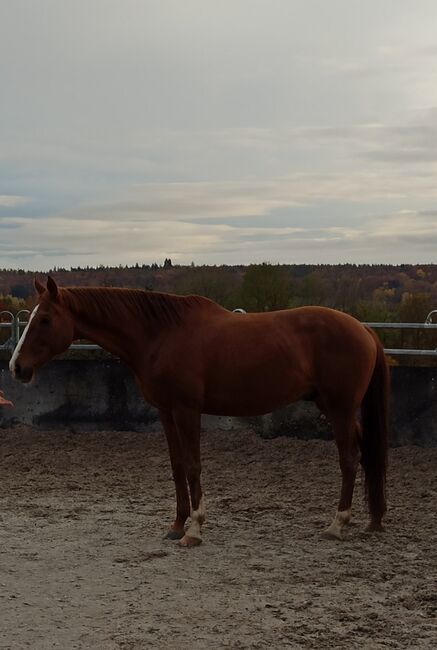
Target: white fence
[(15, 324)]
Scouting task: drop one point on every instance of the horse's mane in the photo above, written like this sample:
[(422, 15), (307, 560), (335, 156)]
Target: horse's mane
[(102, 303)]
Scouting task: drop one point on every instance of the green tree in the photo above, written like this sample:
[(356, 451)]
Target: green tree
[(265, 288), (21, 291), (314, 289), (219, 284), (414, 307)]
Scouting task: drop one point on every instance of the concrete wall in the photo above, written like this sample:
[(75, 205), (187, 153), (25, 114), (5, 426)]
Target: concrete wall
[(102, 394), (78, 394)]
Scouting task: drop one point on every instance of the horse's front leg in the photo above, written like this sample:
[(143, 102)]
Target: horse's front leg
[(177, 460), (187, 423)]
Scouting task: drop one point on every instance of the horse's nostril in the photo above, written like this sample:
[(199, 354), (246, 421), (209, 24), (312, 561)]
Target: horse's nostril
[(23, 373)]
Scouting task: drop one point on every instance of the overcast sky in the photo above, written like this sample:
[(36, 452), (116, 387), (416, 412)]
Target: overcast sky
[(217, 132)]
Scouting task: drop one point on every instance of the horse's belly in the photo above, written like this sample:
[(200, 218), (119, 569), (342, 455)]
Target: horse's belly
[(253, 398), (244, 408)]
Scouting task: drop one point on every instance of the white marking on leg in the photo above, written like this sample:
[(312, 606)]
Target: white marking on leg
[(197, 519), (14, 357), (340, 520)]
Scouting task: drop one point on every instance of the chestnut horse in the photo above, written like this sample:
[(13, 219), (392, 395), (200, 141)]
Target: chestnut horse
[(192, 356)]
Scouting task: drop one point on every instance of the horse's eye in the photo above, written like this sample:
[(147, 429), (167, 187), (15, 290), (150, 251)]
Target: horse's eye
[(45, 320)]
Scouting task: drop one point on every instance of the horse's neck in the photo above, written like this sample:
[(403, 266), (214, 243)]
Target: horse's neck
[(115, 332), (126, 329)]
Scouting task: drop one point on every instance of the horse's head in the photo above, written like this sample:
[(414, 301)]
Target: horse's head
[(49, 332)]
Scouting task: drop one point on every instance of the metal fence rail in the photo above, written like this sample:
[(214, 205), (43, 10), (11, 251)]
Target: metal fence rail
[(7, 320), (427, 325), (16, 325)]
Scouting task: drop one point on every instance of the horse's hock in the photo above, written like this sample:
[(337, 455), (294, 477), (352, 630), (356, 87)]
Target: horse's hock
[(84, 394)]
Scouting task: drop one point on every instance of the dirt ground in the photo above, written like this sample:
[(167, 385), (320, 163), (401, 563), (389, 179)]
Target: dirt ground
[(83, 563)]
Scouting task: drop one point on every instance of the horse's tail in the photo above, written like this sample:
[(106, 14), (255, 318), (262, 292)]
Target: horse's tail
[(375, 428)]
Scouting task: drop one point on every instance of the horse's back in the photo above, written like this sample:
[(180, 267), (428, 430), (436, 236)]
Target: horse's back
[(299, 335), (261, 361)]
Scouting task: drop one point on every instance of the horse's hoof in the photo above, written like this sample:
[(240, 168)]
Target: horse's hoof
[(188, 541), (375, 528), (332, 533), (174, 534)]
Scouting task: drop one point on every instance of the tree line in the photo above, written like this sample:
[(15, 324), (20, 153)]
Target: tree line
[(372, 293), (369, 292)]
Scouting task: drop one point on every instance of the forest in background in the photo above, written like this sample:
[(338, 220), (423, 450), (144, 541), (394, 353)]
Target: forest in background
[(372, 293), (405, 293)]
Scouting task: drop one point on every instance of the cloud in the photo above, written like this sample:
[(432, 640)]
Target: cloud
[(11, 201), (250, 198), (141, 131), (50, 242), (411, 142)]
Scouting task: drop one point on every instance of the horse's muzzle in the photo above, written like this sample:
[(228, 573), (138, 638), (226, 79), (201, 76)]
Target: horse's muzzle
[(23, 373)]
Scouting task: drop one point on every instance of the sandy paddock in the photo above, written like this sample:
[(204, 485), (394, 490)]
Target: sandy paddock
[(83, 563)]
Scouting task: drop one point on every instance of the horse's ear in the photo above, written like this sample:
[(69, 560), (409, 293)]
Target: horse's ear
[(40, 288), (52, 288)]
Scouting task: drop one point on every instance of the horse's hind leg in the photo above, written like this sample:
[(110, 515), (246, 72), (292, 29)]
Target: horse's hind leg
[(177, 529), (346, 430), (187, 423)]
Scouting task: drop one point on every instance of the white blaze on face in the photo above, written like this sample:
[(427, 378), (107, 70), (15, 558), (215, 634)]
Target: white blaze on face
[(20, 343)]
